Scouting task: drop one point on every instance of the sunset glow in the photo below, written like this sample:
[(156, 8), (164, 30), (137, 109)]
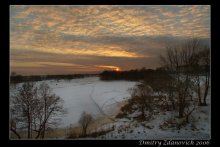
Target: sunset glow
[(90, 39), (117, 69)]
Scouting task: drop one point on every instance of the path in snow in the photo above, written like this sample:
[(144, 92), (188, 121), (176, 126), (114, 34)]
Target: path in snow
[(91, 95)]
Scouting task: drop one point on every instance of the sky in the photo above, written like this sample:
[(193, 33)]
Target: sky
[(89, 39)]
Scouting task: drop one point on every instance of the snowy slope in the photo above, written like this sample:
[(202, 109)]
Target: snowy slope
[(198, 128)]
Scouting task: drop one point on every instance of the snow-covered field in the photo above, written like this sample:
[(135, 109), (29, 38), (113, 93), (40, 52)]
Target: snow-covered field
[(97, 97), (91, 95)]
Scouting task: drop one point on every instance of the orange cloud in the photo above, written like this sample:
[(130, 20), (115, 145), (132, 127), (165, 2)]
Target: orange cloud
[(111, 20), (127, 32), (43, 64), (108, 67)]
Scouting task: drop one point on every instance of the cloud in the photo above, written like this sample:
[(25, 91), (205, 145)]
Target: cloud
[(107, 67), (114, 20), (134, 34)]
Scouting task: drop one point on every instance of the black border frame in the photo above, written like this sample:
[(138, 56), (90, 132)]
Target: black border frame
[(5, 65)]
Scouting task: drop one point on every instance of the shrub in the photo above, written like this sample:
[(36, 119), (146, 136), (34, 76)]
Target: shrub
[(120, 115)]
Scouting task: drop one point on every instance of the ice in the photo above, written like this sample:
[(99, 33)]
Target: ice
[(91, 95), (87, 94)]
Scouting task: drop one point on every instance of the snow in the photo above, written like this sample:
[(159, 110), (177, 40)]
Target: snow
[(90, 94), (101, 98), (150, 130), (126, 129)]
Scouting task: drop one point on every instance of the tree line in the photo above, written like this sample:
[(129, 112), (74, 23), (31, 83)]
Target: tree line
[(142, 74), (16, 78), (132, 75)]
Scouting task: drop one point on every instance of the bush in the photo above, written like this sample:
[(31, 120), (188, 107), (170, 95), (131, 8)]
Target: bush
[(173, 123), (73, 135), (120, 115), (100, 133)]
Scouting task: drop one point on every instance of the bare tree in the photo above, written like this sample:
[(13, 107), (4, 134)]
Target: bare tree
[(201, 68), (205, 60), (141, 95), (180, 60), (24, 103), (85, 120), (13, 124), (34, 108), (50, 106), (189, 110)]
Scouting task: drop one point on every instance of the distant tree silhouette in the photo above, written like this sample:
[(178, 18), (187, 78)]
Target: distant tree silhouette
[(14, 78), (132, 75)]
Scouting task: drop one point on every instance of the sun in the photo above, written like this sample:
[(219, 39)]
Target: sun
[(117, 69)]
